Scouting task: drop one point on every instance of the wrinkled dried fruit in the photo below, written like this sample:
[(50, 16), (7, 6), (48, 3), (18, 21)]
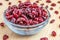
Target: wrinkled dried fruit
[(53, 33), (44, 38), (48, 1), (51, 8), (0, 3), (56, 12), (9, 3), (58, 2), (5, 37), (6, 0), (2, 24), (53, 4), (52, 21)]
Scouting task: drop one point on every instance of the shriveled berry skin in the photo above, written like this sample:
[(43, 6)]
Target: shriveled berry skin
[(5, 37), (44, 38), (53, 33), (26, 14)]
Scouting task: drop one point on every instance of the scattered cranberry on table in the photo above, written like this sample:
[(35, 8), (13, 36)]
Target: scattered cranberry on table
[(0, 4), (5, 37), (44, 38), (51, 8), (2, 24), (56, 12), (53, 4), (53, 33), (52, 21), (26, 14), (48, 1)]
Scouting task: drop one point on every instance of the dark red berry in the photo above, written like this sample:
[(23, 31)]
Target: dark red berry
[(59, 17), (48, 1), (52, 21), (44, 38), (5, 37), (9, 3), (2, 24), (58, 2), (6, 0), (0, 4), (56, 12), (37, 1), (53, 4), (51, 8), (59, 25), (53, 33)]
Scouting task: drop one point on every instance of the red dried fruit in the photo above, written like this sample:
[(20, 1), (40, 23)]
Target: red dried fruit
[(6, 0), (44, 38), (53, 4), (59, 17), (2, 24), (58, 2), (53, 33), (9, 3), (56, 12), (51, 8), (0, 4), (19, 1), (59, 25), (37, 1), (42, 4), (48, 1), (5, 37), (52, 21)]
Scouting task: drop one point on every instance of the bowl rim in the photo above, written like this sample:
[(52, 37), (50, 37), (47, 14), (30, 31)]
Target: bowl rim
[(32, 26)]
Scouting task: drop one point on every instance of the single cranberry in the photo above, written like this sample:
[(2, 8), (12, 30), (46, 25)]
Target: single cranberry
[(2, 24), (9, 3), (56, 12), (53, 33), (59, 17), (51, 8), (0, 3), (37, 1), (59, 25), (58, 2), (5, 37), (53, 4), (52, 21), (44, 38), (6, 0), (48, 1)]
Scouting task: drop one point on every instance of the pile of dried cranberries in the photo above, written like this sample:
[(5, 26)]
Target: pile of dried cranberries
[(26, 14)]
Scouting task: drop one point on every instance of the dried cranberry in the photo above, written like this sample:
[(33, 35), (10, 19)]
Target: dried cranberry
[(53, 4), (2, 24), (59, 25), (44, 38), (9, 3), (53, 33), (6, 0), (0, 3), (5, 37), (48, 1), (59, 17), (56, 12), (52, 21), (37, 1), (51, 8), (58, 2)]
